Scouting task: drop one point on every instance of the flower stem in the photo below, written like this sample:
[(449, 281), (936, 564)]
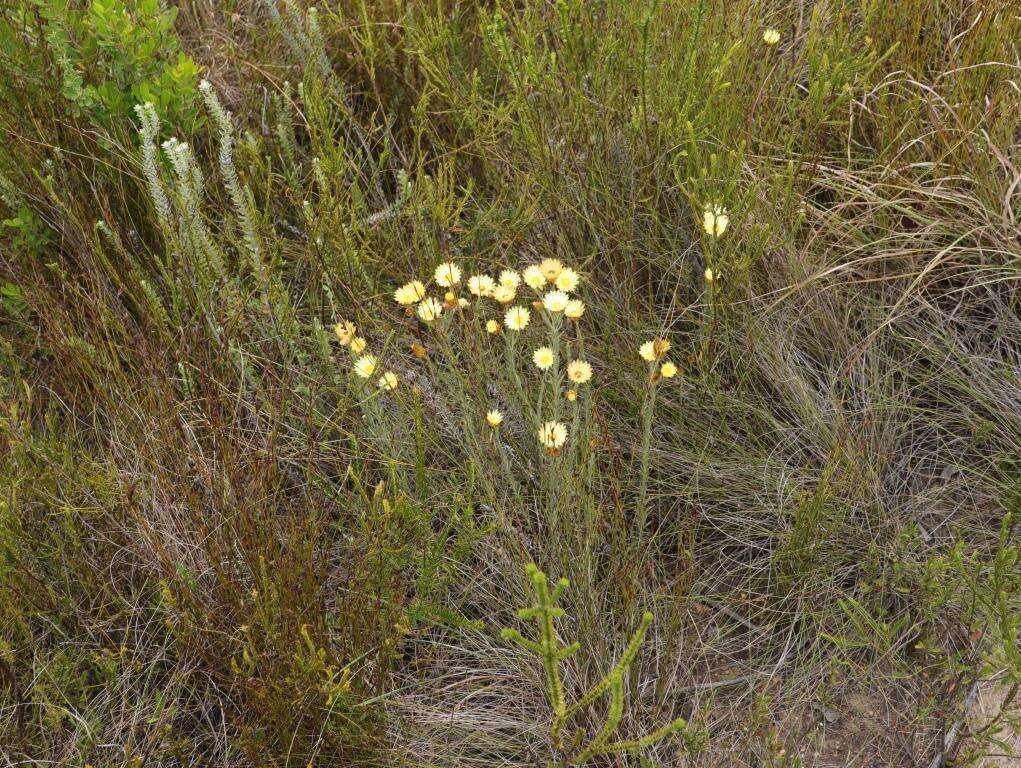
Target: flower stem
[(648, 405)]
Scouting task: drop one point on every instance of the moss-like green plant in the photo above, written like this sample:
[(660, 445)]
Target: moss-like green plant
[(544, 612)]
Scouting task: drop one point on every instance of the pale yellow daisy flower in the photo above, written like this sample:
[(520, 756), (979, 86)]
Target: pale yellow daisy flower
[(388, 381), (504, 294), (516, 318), (430, 309), (492, 326), (409, 293), (447, 274), (543, 358), (365, 366), (710, 276), (510, 278), (494, 418), (555, 301), (771, 36), (481, 285), (551, 268), (567, 280), (553, 434), (668, 370), (653, 350), (404, 296), (715, 219), (579, 371), (358, 345), (534, 278), (575, 309)]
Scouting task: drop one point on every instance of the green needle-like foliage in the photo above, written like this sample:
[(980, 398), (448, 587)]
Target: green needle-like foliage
[(543, 613)]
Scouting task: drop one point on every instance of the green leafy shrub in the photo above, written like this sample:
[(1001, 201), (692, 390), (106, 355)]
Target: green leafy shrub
[(108, 55)]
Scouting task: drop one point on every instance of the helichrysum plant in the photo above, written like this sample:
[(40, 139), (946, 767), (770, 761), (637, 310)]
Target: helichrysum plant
[(541, 380), (499, 356), (578, 750), (487, 305)]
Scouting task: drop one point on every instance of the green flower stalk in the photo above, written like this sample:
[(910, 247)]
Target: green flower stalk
[(648, 407), (544, 612)]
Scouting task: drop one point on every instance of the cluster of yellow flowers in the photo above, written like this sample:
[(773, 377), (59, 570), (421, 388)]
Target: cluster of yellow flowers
[(503, 289), (715, 219), (553, 284), (365, 365), (654, 351)]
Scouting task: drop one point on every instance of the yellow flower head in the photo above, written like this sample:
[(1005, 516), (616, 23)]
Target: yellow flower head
[(462, 302), (365, 366), (771, 36), (709, 274), (409, 293), (345, 331), (715, 219), (447, 274), (510, 278), (481, 285), (555, 301), (358, 345), (492, 326), (571, 394), (534, 277), (388, 381), (551, 268), (668, 370), (516, 318), (543, 358), (575, 309), (429, 309), (579, 371), (504, 294), (552, 434), (653, 350), (567, 280), (494, 418)]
